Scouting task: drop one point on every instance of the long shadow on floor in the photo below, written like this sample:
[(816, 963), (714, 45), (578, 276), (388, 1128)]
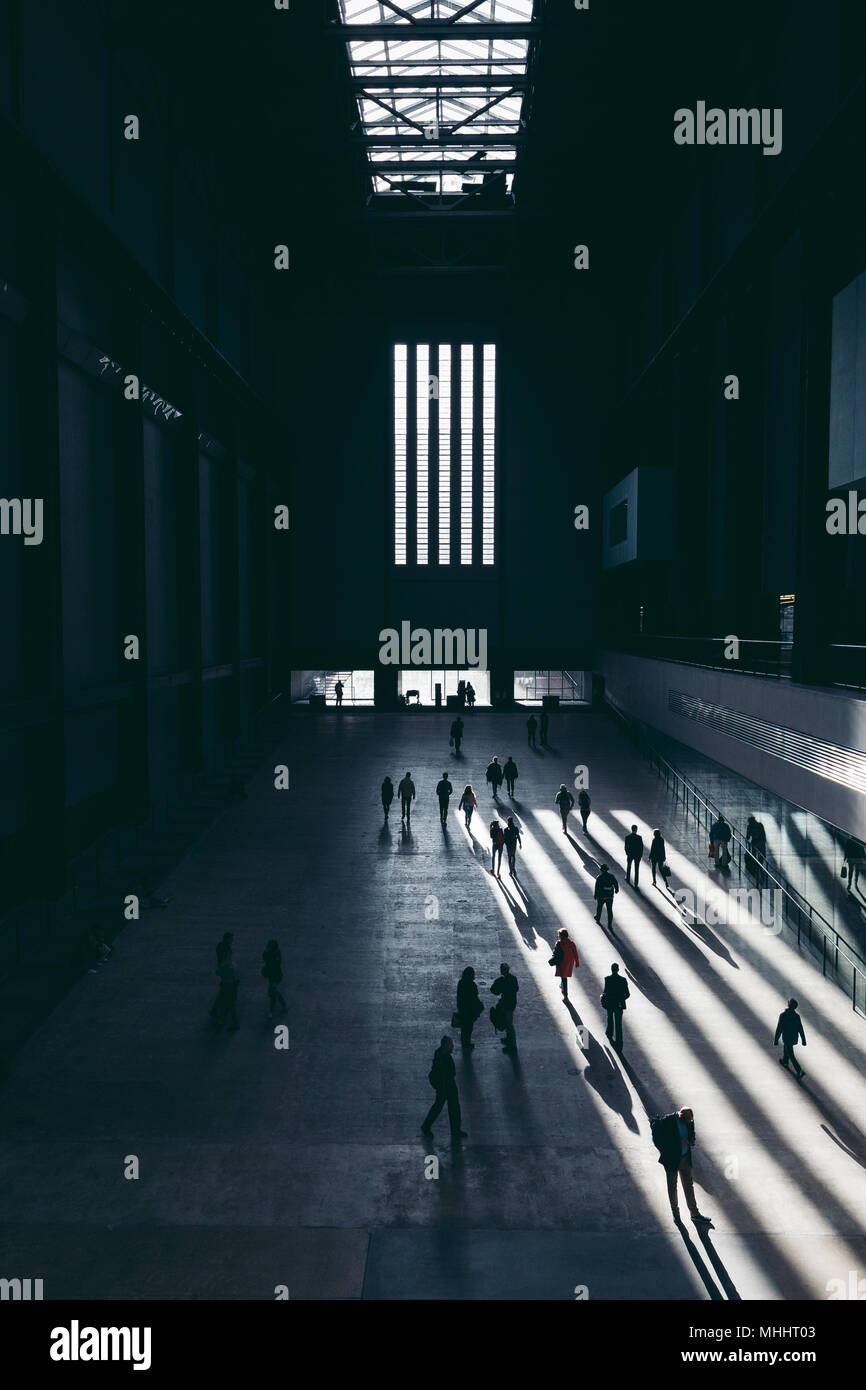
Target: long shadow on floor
[(695, 1256), (521, 920), (591, 865), (728, 1284)]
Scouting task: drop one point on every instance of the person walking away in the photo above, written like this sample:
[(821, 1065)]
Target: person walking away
[(531, 726), (443, 793), (616, 991), (790, 1030), (469, 1007), (443, 1078), (674, 1137), (461, 693), (854, 855), (494, 775), (272, 969), (509, 772), (407, 795), (657, 855), (566, 960), (633, 855), (387, 795), (605, 887), (467, 804), (545, 724), (338, 691), (497, 839), (584, 803), (720, 834), (511, 835), (506, 987), (564, 801), (457, 735)]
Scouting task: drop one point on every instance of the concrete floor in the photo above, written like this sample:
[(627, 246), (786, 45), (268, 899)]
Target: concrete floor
[(305, 1167)]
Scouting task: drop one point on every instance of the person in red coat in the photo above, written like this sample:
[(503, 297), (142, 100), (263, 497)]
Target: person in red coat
[(565, 958)]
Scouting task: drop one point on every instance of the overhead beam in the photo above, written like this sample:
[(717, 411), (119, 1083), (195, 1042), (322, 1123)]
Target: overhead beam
[(432, 29), (421, 84), (447, 166), (443, 215), (420, 142)]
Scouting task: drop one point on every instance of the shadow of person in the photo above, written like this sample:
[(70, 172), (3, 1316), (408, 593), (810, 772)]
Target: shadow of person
[(702, 930), (725, 1279), (706, 1278), (385, 837), (589, 863), (846, 1148), (521, 920), (607, 1081), (405, 834)]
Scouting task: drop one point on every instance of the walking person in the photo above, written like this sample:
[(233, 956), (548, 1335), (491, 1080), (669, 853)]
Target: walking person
[(506, 987), (720, 834), (605, 887), (564, 800), (531, 726), (443, 793), (790, 1030), (387, 795), (338, 691), (443, 1078), (657, 856), (566, 960), (616, 991), (674, 1137), (494, 776), (497, 839), (272, 969), (584, 802), (469, 1008), (509, 772), (511, 835), (467, 803), (633, 855), (756, 844), (224, 948), (457, 735), (854, 855), (545, 724), (407, 796)]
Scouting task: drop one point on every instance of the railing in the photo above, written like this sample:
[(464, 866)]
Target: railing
[(840, 961), (756, 657), (847, 665)]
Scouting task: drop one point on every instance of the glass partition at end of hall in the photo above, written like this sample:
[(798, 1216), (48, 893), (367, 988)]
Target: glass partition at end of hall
[(572, 687)]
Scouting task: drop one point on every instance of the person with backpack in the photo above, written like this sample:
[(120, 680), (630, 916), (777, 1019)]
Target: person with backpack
[(657, 857), (564, 800), (790, 1029), (566, 959), (272, 969), (506, 987), (494, 775), (407, 796), (497, 839), (633, 845), (511, 835), (583, 805), (674, 1137), (531, 726), (616, 991), (469, 1008), (443, 793), (387, 795), (509, 772), (443, 1078), (457, 735), (605, 887), (467, 803)]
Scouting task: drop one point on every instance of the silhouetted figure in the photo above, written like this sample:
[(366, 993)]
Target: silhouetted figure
[(443, 1078), (545, 724), (338, 691), (494, 775), (564, 801), (584, 803), (470, 695), (674, 1137), (461, 693), (469, 1007), (225, 1005), (531, 726), (633, 855), (790, 1029), (272, 969), (509, 772), (511, 835), (387, 795), (657, 856), (565, 958), (756, 837), (616, 991), (854, 855), (506, 987), (467, 804), (443, 793), (407, 795), (457, 734), (224, 947), (497, 840), (605, 887), (720, 835)]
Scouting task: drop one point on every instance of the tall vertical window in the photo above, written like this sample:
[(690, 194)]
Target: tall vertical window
[(442, 513)]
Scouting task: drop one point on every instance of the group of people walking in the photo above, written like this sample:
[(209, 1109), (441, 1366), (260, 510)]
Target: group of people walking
[(224, 1008)]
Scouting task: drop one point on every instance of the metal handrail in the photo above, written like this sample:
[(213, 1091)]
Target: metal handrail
[(811, 924)]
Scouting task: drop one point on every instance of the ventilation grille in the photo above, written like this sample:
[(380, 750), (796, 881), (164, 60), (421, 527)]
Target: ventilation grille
[(845, 766)]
